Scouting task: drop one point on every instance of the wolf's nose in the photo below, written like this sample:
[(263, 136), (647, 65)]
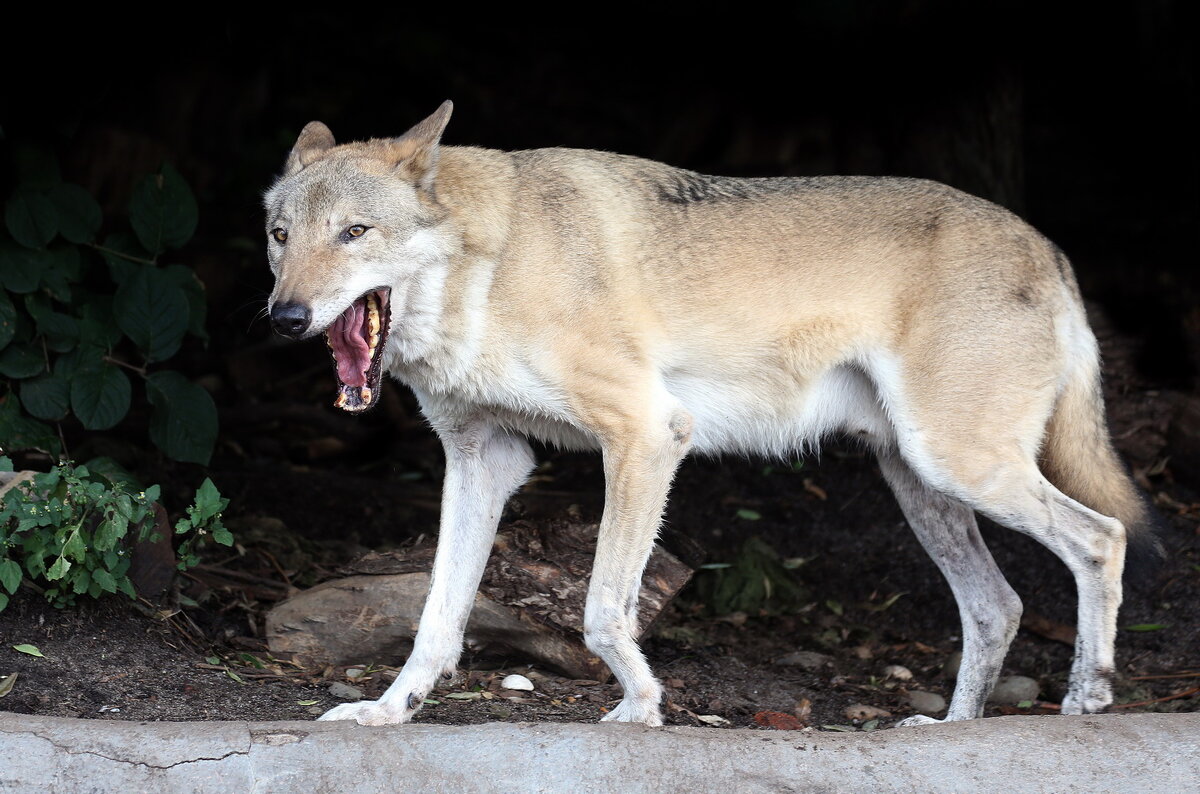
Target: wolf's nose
[(291, 319)]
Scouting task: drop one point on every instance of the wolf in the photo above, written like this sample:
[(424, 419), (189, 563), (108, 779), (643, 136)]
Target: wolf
[(598, 301)]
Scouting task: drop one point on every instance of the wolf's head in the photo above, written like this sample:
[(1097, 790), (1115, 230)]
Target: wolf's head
[(350, 228)]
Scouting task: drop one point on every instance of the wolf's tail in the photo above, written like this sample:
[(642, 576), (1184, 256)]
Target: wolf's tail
[(1078, 457)]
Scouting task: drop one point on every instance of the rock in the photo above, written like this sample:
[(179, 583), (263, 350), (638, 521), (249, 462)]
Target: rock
[(715, 720), (515, 681), (810, 661), (953, 664), (529, 605), (861, 712), (898, 672), (927, 703), (1013, 689), (345, 691)]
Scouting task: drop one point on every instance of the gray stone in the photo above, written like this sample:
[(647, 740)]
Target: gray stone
[(1013, 689), (805, 660), (898, 672), (929, 703), (1097, 753), (345, 691)]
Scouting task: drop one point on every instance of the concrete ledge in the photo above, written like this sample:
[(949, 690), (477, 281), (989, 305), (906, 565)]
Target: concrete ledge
[(1126, 752)]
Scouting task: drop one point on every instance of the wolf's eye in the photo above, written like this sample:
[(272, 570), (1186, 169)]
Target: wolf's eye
[(356, 230), (280, 235)]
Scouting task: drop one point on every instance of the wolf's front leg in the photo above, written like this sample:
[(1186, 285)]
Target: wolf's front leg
[(484, 465), (638, 468)]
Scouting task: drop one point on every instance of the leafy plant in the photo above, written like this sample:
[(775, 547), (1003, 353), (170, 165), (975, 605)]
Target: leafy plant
[(79, 314), (756, 582), (71, 529)]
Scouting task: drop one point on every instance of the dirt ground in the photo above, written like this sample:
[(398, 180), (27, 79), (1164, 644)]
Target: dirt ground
[(304, 501)]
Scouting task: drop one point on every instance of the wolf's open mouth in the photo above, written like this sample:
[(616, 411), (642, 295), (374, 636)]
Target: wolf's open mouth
[(356, 340)]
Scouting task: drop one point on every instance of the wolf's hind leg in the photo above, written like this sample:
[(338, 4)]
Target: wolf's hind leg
[(989, 609), (483, 467)]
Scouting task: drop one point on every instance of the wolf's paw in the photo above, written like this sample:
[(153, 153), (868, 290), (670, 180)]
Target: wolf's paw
[(644, 712), (368, 712), (1088, 697), (917, 719)]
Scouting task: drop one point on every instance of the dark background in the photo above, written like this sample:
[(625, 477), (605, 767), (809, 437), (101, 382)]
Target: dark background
[(1082, 121)]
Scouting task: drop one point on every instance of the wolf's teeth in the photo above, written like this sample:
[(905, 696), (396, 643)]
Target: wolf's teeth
[(365, 394), (373, 321), (340, 401), (374, 341)]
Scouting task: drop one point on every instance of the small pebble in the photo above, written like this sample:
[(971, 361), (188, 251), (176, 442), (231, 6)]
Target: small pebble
[(519, 682), (1013, 689), (345, 691), (355, 672), (898, 672), (805, 660), (861, 712), (928, 703)]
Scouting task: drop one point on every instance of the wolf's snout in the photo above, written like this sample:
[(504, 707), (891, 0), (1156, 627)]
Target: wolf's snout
[(291, 319)]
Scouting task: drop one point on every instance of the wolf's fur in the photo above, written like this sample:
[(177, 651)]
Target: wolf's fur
[(599, 301)]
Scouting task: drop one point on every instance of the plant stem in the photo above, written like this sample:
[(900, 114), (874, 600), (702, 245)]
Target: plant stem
[(139, 370), (122, 254)]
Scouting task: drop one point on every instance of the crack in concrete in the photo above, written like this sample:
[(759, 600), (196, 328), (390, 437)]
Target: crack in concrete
[(69, 750)]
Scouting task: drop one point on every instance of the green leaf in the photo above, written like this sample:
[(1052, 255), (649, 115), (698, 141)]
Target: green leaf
[(184, 424), (21, 361), (105, 579), (223, 536), (114, 472), (1147, 627), (122, 252), (152, 311), (29, 649), (10, 575), (193, 288), (98, 325), (100, 397), (21, 268), (3, 603), (82, 582), (19, 432), (61, 267), (163, 211), (78, 213), (209, 501), (84, 359), (749, 515), (307, 702), (74, 548), (1025, 704), (31, 218), (8, 319), (59, 569), (61, 331), (46, 397)]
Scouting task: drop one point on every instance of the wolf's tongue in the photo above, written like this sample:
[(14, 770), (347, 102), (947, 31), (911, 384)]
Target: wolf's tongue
[(350, 345)]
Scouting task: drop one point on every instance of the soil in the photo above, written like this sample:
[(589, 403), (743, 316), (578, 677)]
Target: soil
[(305, 501)]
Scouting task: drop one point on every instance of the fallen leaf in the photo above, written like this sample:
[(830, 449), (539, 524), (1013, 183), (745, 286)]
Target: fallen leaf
[(7, 684), (307, 702), (803, 711), (749, 515), (715, 720), (778, 721), (840, 728), (29, 649), (815, 489), (464, 696), (1146, 627), (1051, 630)]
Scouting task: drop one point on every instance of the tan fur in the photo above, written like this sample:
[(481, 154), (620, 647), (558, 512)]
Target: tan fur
[(602, 301)]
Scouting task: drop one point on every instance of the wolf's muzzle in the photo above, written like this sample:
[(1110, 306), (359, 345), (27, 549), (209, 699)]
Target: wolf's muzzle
[(291, 319)]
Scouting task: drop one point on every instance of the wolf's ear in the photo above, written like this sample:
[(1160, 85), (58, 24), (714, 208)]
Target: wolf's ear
[(416, 151), (315, 139)]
